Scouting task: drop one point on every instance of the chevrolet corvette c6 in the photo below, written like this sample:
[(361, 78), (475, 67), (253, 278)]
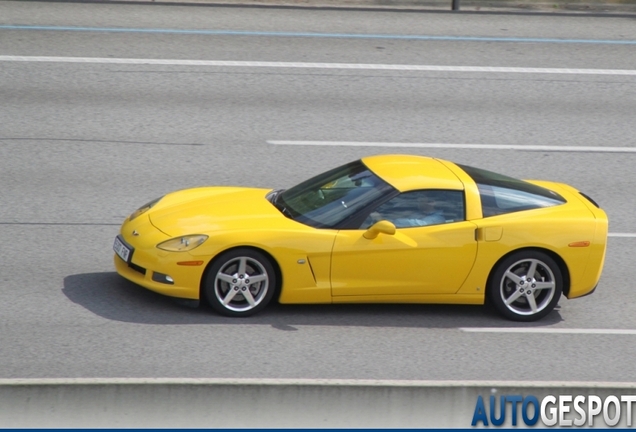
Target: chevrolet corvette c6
[(383, 229)]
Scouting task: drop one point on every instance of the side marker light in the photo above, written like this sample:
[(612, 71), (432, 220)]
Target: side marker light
[(580, 244)]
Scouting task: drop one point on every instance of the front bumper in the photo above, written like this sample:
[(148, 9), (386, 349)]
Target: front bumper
[(188, 287), (155, 269)]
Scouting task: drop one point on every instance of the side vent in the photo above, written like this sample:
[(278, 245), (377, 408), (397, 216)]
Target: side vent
[(311, 269)]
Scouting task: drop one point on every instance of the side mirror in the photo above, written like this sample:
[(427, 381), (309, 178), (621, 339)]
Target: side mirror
[(384, 227)]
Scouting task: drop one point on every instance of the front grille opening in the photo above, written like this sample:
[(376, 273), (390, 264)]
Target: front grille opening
[(137, 268)]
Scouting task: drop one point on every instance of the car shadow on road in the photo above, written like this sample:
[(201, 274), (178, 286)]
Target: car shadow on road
[(110, 296)]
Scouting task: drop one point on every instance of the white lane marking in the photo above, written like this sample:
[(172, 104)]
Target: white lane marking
[(310, 382), (588, 149), (629, 235), (304, 65), (544, 330)]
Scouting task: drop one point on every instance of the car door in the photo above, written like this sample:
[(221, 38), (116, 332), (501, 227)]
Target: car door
[(431, 252)]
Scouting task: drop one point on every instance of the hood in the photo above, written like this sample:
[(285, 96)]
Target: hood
[(207, 209)]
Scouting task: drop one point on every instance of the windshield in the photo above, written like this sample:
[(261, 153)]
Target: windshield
[(329, 198)]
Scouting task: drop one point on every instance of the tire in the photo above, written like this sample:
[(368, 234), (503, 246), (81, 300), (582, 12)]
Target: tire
[(240, 283), (520, 296)]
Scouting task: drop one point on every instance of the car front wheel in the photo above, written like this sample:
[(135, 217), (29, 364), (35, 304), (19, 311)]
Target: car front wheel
[(526, 286), (239, 283)]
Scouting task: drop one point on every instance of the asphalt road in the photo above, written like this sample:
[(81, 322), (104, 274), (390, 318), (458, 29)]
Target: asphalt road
[(84, 144)]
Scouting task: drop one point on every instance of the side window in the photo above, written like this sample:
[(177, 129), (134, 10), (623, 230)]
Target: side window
[(496, 200), (501, 194), (420, 208)]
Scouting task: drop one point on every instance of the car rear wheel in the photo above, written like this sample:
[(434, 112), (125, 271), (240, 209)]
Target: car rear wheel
[(526, 286), (240, 283)]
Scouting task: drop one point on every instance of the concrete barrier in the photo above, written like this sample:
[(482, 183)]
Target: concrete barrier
[(263, 403)]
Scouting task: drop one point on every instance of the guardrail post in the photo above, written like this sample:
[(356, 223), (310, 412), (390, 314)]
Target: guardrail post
[(455, 5)]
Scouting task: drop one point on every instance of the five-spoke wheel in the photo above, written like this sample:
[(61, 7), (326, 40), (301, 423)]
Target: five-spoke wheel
[(526, 286), (240, 282)]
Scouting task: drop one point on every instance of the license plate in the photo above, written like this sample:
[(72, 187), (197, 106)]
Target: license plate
[(121, 249)]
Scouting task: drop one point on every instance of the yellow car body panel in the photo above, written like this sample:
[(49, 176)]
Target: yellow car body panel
[(552, 229), (410, 173), (414, 261), (473, 202), (460, 299), (205, 211), (448, 263)]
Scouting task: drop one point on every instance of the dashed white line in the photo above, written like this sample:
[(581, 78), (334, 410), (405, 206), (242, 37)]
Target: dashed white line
[(307, 65), (548, 330), (545, 148)]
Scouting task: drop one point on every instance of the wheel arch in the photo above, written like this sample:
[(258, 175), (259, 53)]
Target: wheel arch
[(270, 258), (565, 272)]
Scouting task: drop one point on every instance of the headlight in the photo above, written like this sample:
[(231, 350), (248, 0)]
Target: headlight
[(183, 244), (144, 208)]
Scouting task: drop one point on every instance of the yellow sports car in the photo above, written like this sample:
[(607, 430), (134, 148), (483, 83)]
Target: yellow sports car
[(383, 229)]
